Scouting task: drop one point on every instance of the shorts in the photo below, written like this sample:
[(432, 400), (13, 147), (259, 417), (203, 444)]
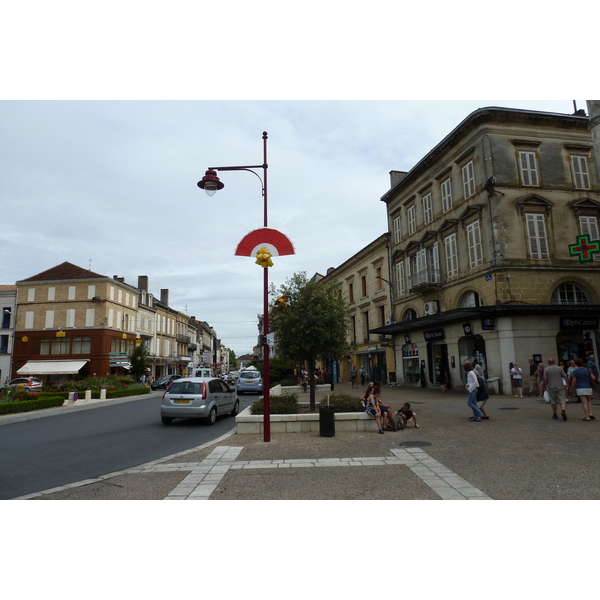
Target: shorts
[(384, 409), (557, 396), (517, 383), (583, 391), (533, 380), (371, 411), (408, 415)]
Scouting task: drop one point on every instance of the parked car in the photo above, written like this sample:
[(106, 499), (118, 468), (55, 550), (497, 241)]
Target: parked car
[(30, 384), (249, 381), (162, 383), (198, 398)]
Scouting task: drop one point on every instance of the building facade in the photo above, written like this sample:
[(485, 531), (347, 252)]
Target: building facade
[(69, 321), (8, 308), (365, 281), (486, 247)]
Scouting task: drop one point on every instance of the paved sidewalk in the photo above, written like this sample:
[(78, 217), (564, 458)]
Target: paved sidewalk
[(519, 453)]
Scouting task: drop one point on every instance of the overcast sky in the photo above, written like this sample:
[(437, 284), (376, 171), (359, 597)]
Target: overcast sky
[(109, 118), (113, 184)]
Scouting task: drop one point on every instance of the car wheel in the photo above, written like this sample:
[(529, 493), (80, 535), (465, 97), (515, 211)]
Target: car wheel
[(212, 416), (166, 420), (236, 408)]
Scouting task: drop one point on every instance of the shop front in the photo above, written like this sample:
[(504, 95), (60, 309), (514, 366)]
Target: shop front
[(496, 336)]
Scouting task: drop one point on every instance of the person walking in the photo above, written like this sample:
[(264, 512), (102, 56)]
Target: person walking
[(363, 375), (553, 384), (472, 386), (516, 374), (353, 376), (591, 365), (482, 396), (533, 378), (581, 385)]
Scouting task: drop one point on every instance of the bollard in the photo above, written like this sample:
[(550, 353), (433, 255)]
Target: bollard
[(88, 395), (103, 394)]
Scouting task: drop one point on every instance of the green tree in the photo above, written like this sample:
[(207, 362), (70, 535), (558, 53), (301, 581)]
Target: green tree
[(138, 358), (232, 361), (315, 322)]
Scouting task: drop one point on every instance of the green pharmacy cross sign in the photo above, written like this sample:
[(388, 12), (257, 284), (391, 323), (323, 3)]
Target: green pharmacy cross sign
[(584, 248)]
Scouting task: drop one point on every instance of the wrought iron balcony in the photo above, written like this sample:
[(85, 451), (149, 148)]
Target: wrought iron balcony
[(425, 279)]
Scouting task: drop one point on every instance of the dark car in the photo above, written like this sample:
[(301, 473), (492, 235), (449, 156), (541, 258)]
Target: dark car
[(162, 383)]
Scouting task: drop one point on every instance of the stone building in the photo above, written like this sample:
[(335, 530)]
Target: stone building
[(485, 247), (365, 281), (72, 321), (8, 312)]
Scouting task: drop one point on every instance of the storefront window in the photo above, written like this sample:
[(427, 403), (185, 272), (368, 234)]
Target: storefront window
[(410, 363), (469, 349)]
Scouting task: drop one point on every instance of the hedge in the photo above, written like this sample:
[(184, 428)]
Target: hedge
[(28, 405), (286, 404), (344, 403), (52, 399)]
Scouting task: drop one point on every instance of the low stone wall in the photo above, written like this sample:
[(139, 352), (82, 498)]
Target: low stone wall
[(303, 423)]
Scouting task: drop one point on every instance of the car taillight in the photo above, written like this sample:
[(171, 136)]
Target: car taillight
[(204, 392)]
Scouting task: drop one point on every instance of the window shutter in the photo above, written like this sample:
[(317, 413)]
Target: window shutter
[(536, 232), (582, 181)]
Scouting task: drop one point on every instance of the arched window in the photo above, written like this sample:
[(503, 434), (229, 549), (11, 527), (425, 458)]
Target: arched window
[(471, 299), (569, 293), (410, 314)]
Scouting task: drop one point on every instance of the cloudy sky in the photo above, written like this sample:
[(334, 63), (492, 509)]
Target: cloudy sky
[(113, 184), (108, 119)]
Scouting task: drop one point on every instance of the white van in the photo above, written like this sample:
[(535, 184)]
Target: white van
[(203, 372)]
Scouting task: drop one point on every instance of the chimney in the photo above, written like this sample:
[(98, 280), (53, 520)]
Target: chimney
[(164, 297), (119, 279), (396, 176), (143, 283)]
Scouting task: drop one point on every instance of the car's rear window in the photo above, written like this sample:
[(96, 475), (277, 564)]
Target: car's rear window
[(248, 375), (185, 387)]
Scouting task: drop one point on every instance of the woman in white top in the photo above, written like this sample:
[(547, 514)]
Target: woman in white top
[(517, 380), (472, 386)]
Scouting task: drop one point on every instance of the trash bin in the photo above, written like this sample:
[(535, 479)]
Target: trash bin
[(326, 421)]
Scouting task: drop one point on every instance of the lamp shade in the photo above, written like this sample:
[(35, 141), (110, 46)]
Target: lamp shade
[(210, 183)]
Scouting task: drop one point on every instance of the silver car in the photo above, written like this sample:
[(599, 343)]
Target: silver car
[(198, 398), (249, 381)]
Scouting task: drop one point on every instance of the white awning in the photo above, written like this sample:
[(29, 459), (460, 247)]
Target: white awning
[(51, 367)]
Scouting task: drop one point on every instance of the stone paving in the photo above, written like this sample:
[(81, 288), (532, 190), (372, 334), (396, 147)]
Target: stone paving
[(519, 453)]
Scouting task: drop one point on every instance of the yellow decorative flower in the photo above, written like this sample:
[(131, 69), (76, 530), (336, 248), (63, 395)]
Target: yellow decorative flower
[(263, 258)]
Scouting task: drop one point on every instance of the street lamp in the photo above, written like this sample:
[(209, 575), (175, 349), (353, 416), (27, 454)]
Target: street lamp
[(257, 243)]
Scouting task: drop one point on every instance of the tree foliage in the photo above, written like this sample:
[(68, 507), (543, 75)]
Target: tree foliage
[(138, 357), (314, 322)]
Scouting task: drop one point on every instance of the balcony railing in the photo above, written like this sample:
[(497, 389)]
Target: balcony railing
[(426, 278), (183, 338)]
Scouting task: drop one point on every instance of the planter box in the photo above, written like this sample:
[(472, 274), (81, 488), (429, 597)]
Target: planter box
[(355, 421)]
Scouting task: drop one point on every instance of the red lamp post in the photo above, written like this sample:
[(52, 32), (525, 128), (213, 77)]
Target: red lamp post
[(211, 183)]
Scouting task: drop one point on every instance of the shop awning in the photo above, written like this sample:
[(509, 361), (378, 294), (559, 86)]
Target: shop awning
[(51, 367)]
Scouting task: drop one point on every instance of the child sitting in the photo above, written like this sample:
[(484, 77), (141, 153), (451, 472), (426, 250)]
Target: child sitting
[(404, 416)]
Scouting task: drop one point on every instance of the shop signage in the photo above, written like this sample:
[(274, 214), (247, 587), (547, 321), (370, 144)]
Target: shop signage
[(385, 343), (487, 324), (436, 334), (467, 328), (372, 349), (578, 323)]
